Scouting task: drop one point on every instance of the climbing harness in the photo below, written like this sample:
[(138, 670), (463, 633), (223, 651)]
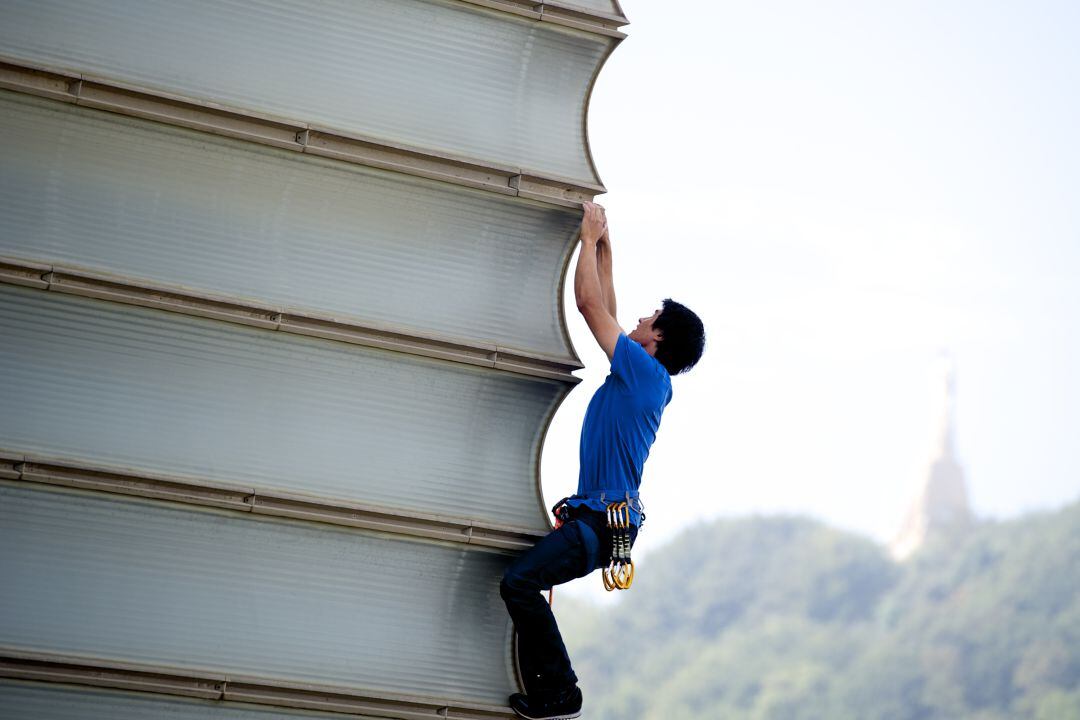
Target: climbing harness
[(561, 511), (619, 574)]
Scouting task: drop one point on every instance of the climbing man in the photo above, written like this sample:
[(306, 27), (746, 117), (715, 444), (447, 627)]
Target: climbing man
[(619, 428)]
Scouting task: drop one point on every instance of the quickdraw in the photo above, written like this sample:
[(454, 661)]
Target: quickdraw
[(619, 574)]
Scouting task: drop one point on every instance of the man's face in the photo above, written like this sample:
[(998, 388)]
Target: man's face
[(644, 334)]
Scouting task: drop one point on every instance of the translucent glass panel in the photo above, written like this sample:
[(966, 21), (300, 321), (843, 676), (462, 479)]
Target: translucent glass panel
[(438, 75), (141, 581), (128, 196), (165, 392)]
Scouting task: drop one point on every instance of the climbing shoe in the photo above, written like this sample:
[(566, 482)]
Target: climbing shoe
[(559, 705)]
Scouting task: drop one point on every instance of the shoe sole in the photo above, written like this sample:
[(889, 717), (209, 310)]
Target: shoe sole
[(569, 716)]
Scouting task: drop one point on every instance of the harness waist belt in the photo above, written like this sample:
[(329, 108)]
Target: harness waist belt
[(603, 494)]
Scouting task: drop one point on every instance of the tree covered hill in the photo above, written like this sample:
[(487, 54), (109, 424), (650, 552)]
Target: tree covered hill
[(787, 619)]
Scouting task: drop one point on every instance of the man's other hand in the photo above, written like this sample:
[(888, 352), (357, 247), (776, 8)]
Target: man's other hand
[(593, 224)]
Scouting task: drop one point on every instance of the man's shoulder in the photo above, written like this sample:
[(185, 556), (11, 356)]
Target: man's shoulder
[(631, 353)]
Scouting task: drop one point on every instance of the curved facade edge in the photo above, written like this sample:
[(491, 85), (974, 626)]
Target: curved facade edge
[(588, 104), (546, 425), (560, 305)]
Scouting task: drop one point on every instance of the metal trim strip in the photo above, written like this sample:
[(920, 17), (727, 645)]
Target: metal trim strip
[(48, 668), (207, 492), (25, 273), (132, 291), (582, 19), (24, 664), (9, 465), (563, 13), (294, 135)]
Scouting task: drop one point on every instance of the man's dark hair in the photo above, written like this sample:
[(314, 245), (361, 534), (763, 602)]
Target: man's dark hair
[(682, 337)]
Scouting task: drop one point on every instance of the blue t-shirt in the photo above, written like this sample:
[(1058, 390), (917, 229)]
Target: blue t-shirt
[(620, 426)]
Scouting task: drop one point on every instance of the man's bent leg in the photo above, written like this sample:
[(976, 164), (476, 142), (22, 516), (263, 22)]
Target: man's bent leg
[(561, 556)]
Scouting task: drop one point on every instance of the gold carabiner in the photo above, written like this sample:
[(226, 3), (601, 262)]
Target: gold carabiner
[(619, 574), (609, 579)]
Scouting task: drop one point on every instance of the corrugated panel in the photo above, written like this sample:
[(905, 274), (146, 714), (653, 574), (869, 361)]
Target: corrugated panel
[(438, 75), (139, 581), (176, 206), (40, 701), (140, 388)]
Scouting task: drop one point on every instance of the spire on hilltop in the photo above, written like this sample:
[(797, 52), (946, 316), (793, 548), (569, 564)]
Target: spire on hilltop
[(942, 504)]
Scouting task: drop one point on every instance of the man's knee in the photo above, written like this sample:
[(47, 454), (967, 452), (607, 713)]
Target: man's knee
[(514, 584)]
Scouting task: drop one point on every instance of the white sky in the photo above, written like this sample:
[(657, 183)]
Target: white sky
[(840, 190)]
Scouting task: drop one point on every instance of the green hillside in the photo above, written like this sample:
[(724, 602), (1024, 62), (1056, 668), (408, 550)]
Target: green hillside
[(787, 619)]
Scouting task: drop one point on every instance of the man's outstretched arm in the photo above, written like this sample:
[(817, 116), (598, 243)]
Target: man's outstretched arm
[(587, 288), (603, 268)]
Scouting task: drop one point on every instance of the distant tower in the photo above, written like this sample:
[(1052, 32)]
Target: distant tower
[(941, 505)]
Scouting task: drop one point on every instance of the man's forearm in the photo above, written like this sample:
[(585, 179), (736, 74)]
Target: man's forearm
[(587, 289), (603, 268)]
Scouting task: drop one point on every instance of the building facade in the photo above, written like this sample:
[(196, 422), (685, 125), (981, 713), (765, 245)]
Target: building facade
[(281, 321)]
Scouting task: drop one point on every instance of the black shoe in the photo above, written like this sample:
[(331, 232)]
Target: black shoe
[(560, 705)]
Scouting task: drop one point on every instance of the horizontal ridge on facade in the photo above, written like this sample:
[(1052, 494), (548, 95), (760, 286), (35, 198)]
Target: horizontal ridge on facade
[(91, 692), (293, 135), (196, 491), (599, 16), (17, 664), (42, 276)]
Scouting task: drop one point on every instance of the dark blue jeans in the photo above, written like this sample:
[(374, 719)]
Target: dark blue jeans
[(574, 550)]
